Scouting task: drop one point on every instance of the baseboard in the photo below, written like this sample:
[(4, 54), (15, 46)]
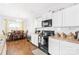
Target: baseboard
[(32, 43)]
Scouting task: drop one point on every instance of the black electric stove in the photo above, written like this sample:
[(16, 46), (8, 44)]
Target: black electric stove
[(43, 40)]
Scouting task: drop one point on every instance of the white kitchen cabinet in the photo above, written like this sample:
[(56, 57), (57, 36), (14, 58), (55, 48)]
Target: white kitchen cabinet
[(62, 47), (68, 48), (48, 16), (77, 49), (39, 22), (34, 39), (57, 19), (71, 16), (53, 46)]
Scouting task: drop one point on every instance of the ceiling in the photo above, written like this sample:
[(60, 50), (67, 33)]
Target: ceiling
[(29, 10)]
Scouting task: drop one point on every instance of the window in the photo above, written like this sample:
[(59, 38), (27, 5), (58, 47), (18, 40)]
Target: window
[(14, 25)]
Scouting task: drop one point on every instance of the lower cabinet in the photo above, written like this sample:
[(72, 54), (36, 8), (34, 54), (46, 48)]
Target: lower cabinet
[(61, 47), (34, 39), (68, 48), (53, 46)]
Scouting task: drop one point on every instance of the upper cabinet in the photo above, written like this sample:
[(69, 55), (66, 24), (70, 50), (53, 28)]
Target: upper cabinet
[(46, 16), (65, 17), (57, 19), (71, 16), (39, 22)]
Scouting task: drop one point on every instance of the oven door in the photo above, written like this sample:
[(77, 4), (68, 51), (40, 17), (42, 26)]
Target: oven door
[(43, 44)]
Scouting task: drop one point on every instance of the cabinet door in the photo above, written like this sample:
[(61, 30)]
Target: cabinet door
[(76, 47), (36, 40), (48, 16), (57, 19), (50, 48), (65, 48), (68, 48), (53, 46), (71, 16), (39, 22), (33, 39)]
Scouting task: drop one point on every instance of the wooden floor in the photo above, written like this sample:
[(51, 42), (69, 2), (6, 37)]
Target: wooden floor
[(19, 47)]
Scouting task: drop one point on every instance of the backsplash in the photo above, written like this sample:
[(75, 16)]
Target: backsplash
[(67, 30)]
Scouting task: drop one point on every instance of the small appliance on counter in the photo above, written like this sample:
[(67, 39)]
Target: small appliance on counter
[(71, 36), (77, 35), (37, 31), (57, 35), (63, 35)]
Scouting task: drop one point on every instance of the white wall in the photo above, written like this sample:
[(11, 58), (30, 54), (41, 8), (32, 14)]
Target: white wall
[(29, 25), (1, 24)]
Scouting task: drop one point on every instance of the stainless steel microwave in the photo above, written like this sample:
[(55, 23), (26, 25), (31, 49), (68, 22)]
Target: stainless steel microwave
[(47, 23)]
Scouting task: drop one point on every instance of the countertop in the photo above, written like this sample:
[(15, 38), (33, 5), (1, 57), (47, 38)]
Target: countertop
[(65, 39)]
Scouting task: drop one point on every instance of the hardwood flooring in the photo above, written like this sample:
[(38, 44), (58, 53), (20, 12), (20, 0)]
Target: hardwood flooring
[(19, 47)]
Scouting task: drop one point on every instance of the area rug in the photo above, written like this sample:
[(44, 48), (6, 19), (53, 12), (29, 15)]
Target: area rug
[(38, 52)]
